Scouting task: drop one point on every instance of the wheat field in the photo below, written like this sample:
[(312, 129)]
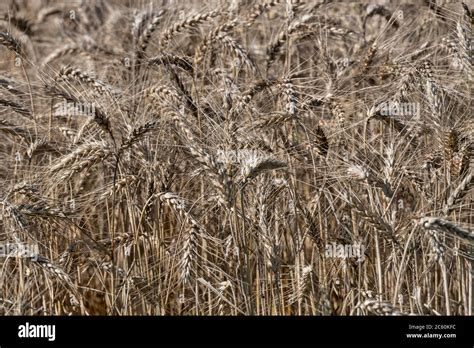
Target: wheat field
[(236, 158)]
